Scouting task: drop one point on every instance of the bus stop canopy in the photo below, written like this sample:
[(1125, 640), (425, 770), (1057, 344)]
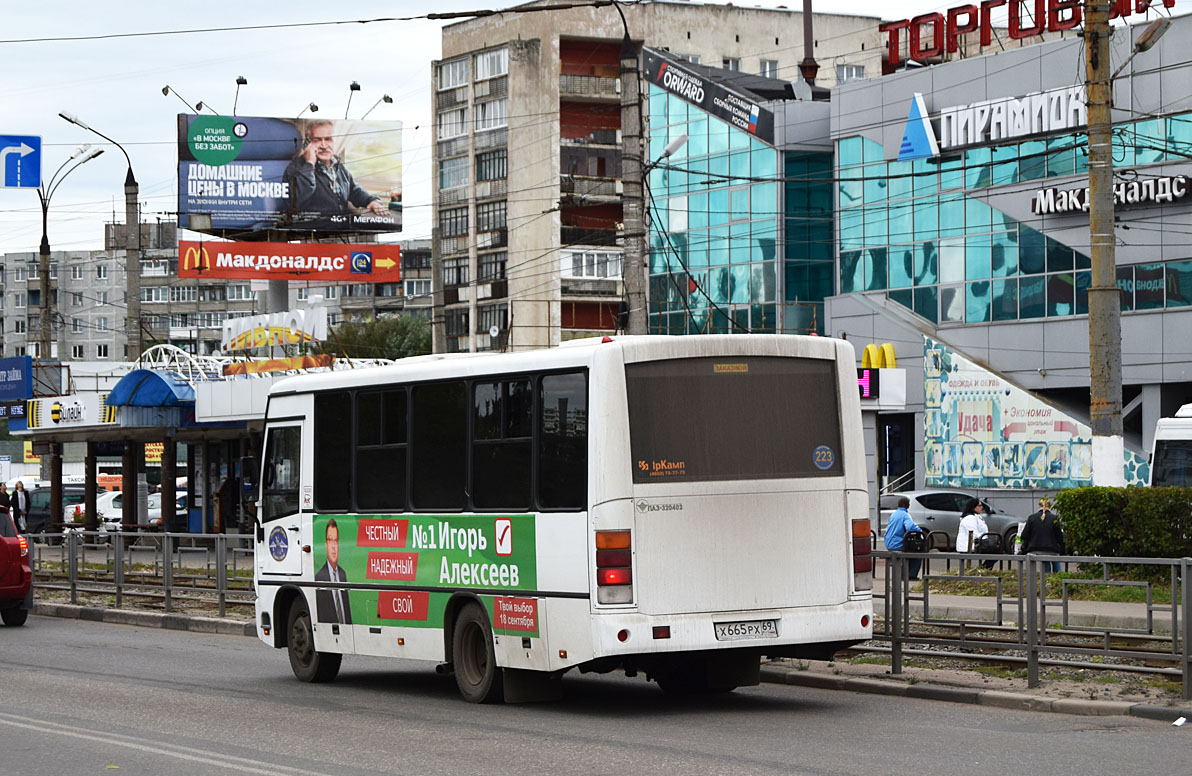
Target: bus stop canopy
[(149, 388)]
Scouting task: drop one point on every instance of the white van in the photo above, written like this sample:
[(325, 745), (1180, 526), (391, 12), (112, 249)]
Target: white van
[(1171, 455)]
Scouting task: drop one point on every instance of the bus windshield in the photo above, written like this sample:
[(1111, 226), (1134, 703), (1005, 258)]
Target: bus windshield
[(1173, 463), (759, 417)]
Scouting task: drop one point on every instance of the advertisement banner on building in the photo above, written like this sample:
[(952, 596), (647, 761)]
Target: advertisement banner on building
[(684, 82), (981, 431), (312, 175), (79, 410), (290, 261), (271, 365), (16, 378), (292, 327)]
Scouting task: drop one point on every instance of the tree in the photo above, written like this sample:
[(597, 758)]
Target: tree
[(393, 336)]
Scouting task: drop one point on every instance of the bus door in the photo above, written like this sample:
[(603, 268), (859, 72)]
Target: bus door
[(280, 512)]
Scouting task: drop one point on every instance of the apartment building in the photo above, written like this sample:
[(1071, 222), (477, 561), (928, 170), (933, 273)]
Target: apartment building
[(527, 152)]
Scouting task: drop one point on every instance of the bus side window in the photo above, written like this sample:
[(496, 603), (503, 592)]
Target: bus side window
[(333, 439), (381, 419), (502, 432), (439, 446), (283, 456), (563, 442)]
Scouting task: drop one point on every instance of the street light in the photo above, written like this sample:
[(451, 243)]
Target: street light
[(45, 193), (132, 249), (352, 89), (165, 92), (312, 108), (385, 98), (200, 105), (240, 81)]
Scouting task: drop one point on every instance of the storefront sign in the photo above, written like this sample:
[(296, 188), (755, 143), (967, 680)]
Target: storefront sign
[(740, 111), (930, 35), (16, 378), (261, 331), (289, 261), (993, 120), (1140, 192), (78, 410)]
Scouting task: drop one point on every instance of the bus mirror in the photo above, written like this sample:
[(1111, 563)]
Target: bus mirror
[(249, 472)]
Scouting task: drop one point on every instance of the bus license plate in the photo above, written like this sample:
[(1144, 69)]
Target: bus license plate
[(749, 629)]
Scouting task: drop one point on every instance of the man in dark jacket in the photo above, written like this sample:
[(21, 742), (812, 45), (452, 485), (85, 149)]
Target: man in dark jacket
[(1042, 535), (4, 502), (319, 181)]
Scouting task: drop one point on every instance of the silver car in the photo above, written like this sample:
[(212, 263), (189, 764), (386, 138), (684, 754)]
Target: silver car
[(939, 511)]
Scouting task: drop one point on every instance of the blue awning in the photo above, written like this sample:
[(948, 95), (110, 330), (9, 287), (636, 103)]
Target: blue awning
[(147, 388)]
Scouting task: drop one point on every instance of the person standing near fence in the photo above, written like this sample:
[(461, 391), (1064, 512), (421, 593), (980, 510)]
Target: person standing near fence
[(1042, 535), (972, 528), (19, 500), (899, 526)]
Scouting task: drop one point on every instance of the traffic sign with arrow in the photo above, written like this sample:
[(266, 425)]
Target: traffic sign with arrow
[(20, 161)]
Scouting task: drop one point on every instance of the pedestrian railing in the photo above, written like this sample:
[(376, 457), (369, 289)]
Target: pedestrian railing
[(1033, 618), (171, 570)]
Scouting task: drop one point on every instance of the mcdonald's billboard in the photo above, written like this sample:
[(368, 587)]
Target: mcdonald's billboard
[(308, 175), (289, 261)]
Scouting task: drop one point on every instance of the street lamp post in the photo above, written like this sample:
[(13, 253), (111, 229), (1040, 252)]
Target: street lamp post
[(45, 193), (132, 248), (385, 98)]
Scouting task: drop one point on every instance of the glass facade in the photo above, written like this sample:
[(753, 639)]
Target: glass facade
[(913, 230), (713, 224)]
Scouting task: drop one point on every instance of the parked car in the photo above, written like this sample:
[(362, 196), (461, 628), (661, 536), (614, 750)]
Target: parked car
[(39, 520), (111, 509), (16, 578), (940, 511)]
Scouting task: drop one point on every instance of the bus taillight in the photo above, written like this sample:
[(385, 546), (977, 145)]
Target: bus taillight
[(862, 555), (614, 567)]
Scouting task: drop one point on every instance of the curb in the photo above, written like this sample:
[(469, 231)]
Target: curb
[(995, 698), (216, 625)]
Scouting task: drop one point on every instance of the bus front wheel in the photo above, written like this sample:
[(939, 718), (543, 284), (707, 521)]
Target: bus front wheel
[(474, 657), (307, 664)]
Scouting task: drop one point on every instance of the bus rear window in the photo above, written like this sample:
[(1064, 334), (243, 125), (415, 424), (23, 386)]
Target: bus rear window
[(746, 418)]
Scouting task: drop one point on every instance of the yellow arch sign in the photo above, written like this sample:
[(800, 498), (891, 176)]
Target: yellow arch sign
[(878, 357), (195, 258)]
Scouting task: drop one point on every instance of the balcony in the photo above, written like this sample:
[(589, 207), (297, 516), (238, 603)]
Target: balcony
[(586, 189), (578, 235), (584, 287), (589, 86)]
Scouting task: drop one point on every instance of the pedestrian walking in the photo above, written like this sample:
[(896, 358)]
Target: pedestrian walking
[(4, 499), (1042, 535), (901, 523), (19, 505)]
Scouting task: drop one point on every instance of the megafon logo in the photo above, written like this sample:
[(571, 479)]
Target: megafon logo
[(196, 258), (918, 139)]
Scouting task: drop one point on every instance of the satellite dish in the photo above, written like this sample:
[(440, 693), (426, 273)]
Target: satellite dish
[(493, 331)]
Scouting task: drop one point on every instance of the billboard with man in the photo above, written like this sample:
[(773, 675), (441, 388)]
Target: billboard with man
[(306, 175)]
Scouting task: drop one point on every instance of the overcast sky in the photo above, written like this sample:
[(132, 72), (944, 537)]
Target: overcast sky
[(115, 86)]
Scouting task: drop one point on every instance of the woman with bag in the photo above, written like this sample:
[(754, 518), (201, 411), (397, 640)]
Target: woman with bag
[(1042, 535), (972, 528)]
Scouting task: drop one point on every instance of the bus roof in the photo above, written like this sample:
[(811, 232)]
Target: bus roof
[(574, 353)]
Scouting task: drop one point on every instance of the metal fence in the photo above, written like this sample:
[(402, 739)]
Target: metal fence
[(1032, 615), (171, 570)]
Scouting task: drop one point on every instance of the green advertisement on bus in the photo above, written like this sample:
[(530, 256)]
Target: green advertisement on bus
[(488, 553)]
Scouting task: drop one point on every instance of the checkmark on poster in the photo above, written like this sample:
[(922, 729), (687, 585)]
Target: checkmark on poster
[(504, 532)]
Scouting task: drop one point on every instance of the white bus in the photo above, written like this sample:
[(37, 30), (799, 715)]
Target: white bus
[(1171, 453), (679, 506)]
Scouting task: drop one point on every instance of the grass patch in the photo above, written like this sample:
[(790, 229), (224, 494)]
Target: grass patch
[(1165, 685), (1001, 672), (985, 582), (870, 660)]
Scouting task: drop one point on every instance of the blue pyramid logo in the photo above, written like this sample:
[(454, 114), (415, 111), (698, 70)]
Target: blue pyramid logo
[(918, 139)]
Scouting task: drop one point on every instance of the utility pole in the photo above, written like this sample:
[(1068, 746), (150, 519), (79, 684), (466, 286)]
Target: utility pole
[(132, 267), (1105, 327), (632, 202)]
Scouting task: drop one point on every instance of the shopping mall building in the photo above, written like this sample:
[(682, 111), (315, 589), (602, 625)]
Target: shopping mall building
[(956, 229)]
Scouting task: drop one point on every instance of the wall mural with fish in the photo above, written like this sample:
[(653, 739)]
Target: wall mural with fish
[(981, 431)]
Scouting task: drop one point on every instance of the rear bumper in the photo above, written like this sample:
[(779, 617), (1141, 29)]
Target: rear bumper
[(797, 626), (11, 595)]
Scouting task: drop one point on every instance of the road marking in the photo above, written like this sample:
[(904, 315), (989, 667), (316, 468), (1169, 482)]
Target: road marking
[(240, 764)]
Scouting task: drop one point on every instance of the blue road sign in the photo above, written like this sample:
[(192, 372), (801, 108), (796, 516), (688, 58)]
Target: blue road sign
[(20, 161)]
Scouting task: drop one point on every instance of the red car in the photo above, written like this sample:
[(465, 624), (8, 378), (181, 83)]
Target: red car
[(16, 578)]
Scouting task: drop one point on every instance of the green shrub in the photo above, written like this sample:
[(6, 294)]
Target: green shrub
[(1127, 522)]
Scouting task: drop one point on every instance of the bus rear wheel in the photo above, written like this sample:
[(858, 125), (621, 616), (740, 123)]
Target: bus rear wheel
[(307, 664), (474, 657)]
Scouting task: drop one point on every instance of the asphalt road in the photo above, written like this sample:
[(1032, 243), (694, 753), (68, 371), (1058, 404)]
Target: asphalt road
[(79, 697)]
